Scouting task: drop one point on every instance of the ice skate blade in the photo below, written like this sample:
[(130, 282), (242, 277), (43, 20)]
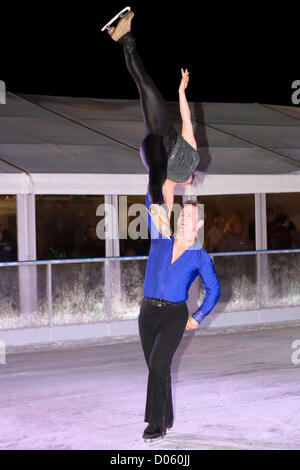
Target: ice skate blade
[(149, 441), (119, 15)]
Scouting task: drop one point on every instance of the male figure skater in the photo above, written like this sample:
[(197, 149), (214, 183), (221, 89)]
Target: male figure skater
[(169, 157), (173, 263), (172, 266)]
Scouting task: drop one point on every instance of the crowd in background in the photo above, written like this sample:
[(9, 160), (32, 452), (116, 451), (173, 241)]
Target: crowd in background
[(231, 234), (63, 237), (8, 244)]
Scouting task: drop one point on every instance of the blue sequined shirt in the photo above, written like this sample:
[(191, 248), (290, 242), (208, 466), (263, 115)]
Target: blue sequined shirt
[(171, 281)]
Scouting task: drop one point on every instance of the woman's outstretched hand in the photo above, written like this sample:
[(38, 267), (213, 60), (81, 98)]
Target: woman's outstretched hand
[(185, 80)]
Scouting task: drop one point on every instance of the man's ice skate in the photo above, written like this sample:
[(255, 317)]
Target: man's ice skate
[(123, 25), (169, 427), (152, 433), (160, 218)]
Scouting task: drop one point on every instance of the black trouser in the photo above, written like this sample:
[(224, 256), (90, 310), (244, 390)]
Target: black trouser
[(161, 330), (160, 134)]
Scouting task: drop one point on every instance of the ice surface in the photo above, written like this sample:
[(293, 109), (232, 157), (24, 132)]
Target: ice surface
[(230, 391)]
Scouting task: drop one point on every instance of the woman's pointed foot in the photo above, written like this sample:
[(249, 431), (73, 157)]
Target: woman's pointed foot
[(123, 27), (111, 31)]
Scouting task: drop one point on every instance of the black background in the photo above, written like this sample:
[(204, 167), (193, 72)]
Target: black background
[(234, 52)]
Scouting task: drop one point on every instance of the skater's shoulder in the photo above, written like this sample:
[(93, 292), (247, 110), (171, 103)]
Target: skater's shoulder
[(204, 255), (200, 252), (197, 246)]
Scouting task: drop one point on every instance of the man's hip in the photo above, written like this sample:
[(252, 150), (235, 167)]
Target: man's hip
[(162, 303)]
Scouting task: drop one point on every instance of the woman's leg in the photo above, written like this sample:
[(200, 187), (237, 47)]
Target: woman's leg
[(155, 159), (156, 115), (160, 134)]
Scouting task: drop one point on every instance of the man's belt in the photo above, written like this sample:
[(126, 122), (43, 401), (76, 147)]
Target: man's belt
[(160, 302)]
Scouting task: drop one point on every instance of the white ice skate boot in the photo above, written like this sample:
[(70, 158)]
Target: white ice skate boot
[(161, 220), (123, 25)]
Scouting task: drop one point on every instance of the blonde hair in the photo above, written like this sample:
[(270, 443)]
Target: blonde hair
[(235, 220)]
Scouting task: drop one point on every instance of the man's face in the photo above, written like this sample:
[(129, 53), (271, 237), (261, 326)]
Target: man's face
[(187, 222), (286, 223), (92, 234), (236, 229), (271, 217), (221, 223)]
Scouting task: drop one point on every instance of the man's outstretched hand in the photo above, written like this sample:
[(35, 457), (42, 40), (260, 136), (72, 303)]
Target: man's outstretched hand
[(192, 324)]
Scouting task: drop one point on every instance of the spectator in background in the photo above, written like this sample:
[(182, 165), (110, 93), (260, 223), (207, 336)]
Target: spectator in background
[(141, 247), (251, 235), (215, 234), (91, 246), (129, 251), (8, 246), (234, 238), (60, 232), (271, 226), (293, 232), (281, 236)]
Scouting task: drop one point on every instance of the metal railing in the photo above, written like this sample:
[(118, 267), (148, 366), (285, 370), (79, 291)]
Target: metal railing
[(107, 260)]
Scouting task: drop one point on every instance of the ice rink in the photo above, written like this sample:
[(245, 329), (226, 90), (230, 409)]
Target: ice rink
[(238, 390)]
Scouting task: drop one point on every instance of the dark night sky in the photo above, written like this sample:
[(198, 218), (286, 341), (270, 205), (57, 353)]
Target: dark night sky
[(234, 55)]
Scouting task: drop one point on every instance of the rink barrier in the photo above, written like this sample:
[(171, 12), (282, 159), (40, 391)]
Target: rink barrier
[(112, 324), (132, 258)]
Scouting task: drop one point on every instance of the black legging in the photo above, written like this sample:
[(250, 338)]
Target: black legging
[(161, 330), (160, 134)]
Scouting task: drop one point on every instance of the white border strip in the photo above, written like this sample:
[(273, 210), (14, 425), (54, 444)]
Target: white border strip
[(133, 184), (27, 336)]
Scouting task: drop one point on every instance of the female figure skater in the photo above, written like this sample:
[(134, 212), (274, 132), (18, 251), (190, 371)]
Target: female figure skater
[(173, 263), (169, 157)]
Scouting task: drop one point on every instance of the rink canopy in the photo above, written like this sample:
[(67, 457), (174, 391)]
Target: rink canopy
[(63, 157), (71, 145)]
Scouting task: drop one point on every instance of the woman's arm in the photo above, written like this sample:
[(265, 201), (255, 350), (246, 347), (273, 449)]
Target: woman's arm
[(187, 126), (168, 190)]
